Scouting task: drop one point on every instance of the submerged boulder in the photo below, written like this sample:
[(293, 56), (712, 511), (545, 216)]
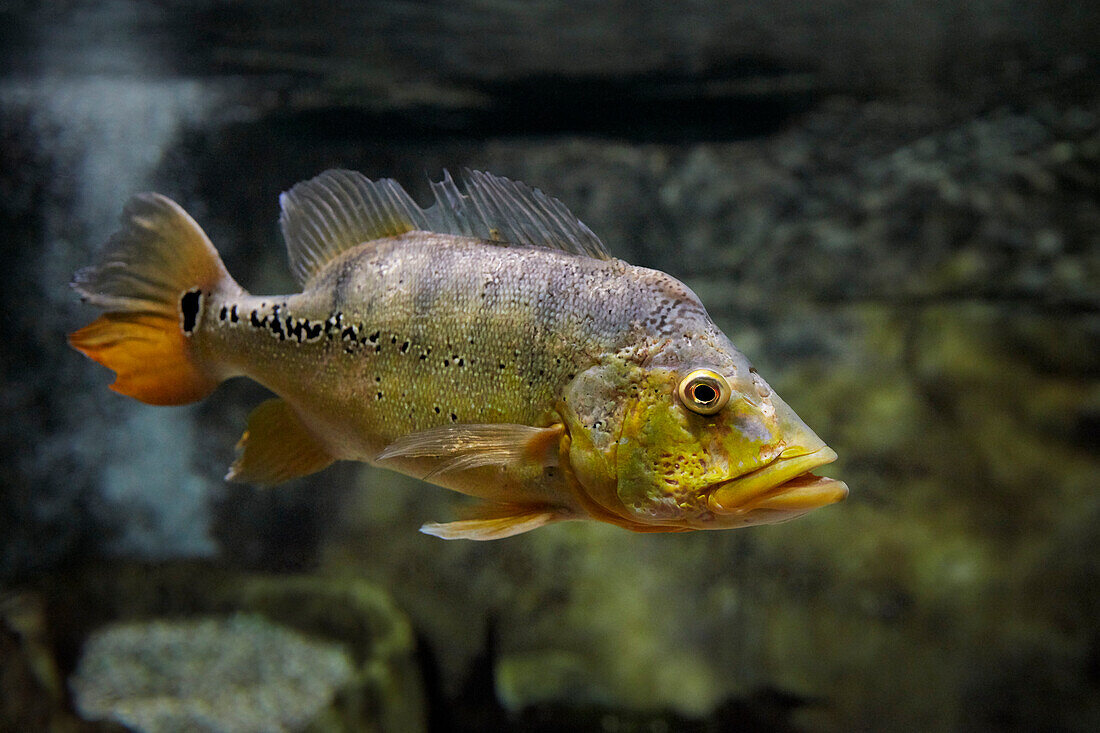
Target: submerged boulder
[(235, 675)]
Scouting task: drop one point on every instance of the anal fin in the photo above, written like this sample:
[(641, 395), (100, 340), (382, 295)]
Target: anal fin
[(491, 521), (276, 447)]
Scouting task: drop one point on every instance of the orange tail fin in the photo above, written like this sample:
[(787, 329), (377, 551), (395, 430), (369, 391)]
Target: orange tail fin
[(154, 279)]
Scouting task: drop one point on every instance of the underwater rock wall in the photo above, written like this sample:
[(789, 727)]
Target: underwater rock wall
[(893, 210)]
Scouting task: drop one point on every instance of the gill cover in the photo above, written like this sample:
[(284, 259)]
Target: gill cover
[(669, 456)]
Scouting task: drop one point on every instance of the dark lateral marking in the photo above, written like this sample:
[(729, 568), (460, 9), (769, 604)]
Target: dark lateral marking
[(190, 304), (333, 322), (277, 325), (302, 330)]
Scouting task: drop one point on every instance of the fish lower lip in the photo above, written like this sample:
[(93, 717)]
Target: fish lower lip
[(785, 485)]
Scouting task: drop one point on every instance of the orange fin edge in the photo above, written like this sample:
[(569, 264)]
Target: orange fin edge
[(149, 356)]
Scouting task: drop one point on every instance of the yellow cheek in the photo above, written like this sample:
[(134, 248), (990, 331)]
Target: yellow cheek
[(662, 465), (739, 441), (593, 468)]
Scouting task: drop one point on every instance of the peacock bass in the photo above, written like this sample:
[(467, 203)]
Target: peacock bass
[(488, 344)]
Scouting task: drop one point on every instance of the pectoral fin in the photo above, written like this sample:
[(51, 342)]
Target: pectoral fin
[(462, 447), (496, 521), (276, 447)]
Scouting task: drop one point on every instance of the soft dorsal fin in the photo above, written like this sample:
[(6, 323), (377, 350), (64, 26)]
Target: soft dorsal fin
[(340, 209)]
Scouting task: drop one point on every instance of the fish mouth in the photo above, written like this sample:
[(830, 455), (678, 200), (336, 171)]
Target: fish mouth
[(785, 486)]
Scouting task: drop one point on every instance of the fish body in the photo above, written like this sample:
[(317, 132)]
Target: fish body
[(488, 344)]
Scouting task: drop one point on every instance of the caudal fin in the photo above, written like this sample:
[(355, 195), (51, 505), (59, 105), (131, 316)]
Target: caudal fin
[(153, 278)]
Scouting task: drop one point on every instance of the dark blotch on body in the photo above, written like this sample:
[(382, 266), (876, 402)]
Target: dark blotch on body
[(189, 306)]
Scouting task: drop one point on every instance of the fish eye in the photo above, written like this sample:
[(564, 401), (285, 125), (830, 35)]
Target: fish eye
[(704, 391)]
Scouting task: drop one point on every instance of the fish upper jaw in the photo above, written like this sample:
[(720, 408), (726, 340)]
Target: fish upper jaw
[(785, 486)]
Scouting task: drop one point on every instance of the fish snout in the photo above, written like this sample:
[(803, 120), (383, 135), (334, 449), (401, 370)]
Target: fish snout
[(785, 484)]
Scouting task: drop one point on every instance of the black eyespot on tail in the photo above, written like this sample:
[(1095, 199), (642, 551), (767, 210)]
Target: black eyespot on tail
[(190, 305)]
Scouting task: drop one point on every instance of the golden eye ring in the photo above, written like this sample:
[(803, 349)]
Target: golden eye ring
[(704, 391)]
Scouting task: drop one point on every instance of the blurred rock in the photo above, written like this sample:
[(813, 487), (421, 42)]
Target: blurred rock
[(32, 687), (234, 675), (186, 645)]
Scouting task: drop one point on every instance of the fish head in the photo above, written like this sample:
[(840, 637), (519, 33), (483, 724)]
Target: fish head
[(701, 443)]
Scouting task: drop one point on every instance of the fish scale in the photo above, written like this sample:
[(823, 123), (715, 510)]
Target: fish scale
[(551, 315), (488, 344)]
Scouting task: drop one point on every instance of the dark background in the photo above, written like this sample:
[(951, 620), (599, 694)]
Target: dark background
[(893, 208)]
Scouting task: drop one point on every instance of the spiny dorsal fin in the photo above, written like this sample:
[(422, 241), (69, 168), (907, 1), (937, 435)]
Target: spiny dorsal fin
[(510, 212), (340, 209)]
